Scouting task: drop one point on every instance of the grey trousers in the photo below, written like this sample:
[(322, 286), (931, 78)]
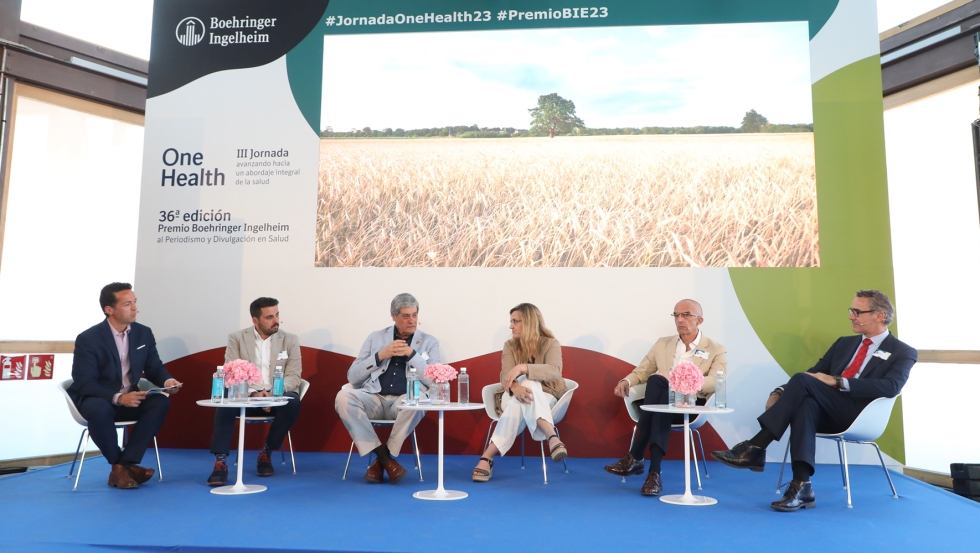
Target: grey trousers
[(357, 407)]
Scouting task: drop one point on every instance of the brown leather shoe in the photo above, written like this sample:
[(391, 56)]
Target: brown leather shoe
[(627, 466), (652, 485), (395, 471), (140, 474), (119, 477), (374, 472)]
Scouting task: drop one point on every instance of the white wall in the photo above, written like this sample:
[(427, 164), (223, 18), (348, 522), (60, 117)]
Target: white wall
[(936, 249), (71, 216)]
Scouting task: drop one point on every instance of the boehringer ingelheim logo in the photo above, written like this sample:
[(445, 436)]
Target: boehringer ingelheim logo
[(190, 31)]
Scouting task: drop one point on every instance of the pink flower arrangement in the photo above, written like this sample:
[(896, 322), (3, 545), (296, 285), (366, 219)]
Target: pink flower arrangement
[(239, 371), (686, 378), (440, 372)]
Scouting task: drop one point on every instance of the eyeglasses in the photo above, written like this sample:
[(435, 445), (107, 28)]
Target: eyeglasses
[(858, 312), (686, 315), (515, 322)]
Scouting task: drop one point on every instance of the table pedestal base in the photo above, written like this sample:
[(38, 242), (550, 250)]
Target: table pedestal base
[(238, 489), (440, 495), (687, 499)]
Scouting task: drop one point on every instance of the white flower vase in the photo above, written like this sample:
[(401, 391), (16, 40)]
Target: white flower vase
[(683, 400), (238, 392), (439, 393)]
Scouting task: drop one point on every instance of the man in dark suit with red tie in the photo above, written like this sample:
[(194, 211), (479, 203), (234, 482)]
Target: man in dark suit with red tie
[(829, 396), (110, 358)]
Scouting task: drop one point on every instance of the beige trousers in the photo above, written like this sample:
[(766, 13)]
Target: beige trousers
[(357, 407)]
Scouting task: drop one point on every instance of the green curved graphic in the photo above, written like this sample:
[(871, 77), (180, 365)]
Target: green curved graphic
[(799, 312)]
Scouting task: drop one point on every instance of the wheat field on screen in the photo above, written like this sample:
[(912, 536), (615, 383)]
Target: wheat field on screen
[(734, 200)]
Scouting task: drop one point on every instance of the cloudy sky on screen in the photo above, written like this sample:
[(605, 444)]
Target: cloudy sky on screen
[(617, 77)]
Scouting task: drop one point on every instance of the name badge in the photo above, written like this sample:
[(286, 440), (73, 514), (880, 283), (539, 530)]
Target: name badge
[(882, 354), (282, 356), (425, 355), (701, 353)]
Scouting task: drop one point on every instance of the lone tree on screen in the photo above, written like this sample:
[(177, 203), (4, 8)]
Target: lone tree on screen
[(554, 115), (753, 121)]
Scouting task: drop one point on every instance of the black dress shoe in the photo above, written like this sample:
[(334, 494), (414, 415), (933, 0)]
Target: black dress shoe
[(263, 465), (743, 456), (799, 495), (219, 476), (627, 466), (652, 486)]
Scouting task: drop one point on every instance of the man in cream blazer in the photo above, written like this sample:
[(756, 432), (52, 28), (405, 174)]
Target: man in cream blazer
[(378, 385), (267, 347), (654, 428)]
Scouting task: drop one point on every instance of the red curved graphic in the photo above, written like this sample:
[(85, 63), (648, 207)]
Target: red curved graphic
[(596, 424)]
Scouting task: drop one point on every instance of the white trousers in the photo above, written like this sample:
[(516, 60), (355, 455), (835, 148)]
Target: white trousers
[(356, 409), (516, 416)]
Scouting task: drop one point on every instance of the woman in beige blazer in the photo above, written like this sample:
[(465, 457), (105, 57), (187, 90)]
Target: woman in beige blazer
[(532, 383)]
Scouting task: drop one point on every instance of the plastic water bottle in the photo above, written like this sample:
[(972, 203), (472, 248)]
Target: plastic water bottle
[(277, 382), (218, 385), (721, 393), (464, 386), (413, 387)]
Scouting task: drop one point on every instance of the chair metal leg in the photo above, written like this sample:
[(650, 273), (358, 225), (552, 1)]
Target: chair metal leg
[(884, 468), (81, 461), (840, 457), (418, 460), (694, 457), (847, 474), (77, 449), (704, 460), (632, 438), (347, 466), (544, 465), (486, 444), (522, 454), (564, 462), (779, 482), (292, 454), (156, 448)]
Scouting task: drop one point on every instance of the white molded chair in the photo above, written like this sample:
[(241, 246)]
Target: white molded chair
[(143, 385), (866, 428), (557, 414), (383, 422), (267, 419), (635, 398)]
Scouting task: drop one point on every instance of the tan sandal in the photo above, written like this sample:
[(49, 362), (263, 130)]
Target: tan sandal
[(558, 453), (483, 475)]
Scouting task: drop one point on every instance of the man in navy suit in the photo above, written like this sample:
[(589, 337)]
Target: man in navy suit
[(828, 397), (110, 358)]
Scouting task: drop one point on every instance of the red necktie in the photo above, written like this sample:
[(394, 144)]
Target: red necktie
[(852, 370)]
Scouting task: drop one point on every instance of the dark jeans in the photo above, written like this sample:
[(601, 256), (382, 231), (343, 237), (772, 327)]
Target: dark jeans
[(808, 406), (102, 416), (654, 428), (224, 424)]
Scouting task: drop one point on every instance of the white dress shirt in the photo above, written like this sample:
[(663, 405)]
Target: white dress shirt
[(263, 353)]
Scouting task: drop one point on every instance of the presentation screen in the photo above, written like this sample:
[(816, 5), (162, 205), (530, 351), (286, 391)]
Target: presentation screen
[(643, 146)]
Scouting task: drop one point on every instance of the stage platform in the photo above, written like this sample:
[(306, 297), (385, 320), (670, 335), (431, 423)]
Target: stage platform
[(585, 510)]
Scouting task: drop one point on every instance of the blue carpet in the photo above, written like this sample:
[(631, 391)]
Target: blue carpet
[(585, 510)]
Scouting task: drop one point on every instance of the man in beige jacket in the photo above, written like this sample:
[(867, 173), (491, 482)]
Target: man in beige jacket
[(654, 428)]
